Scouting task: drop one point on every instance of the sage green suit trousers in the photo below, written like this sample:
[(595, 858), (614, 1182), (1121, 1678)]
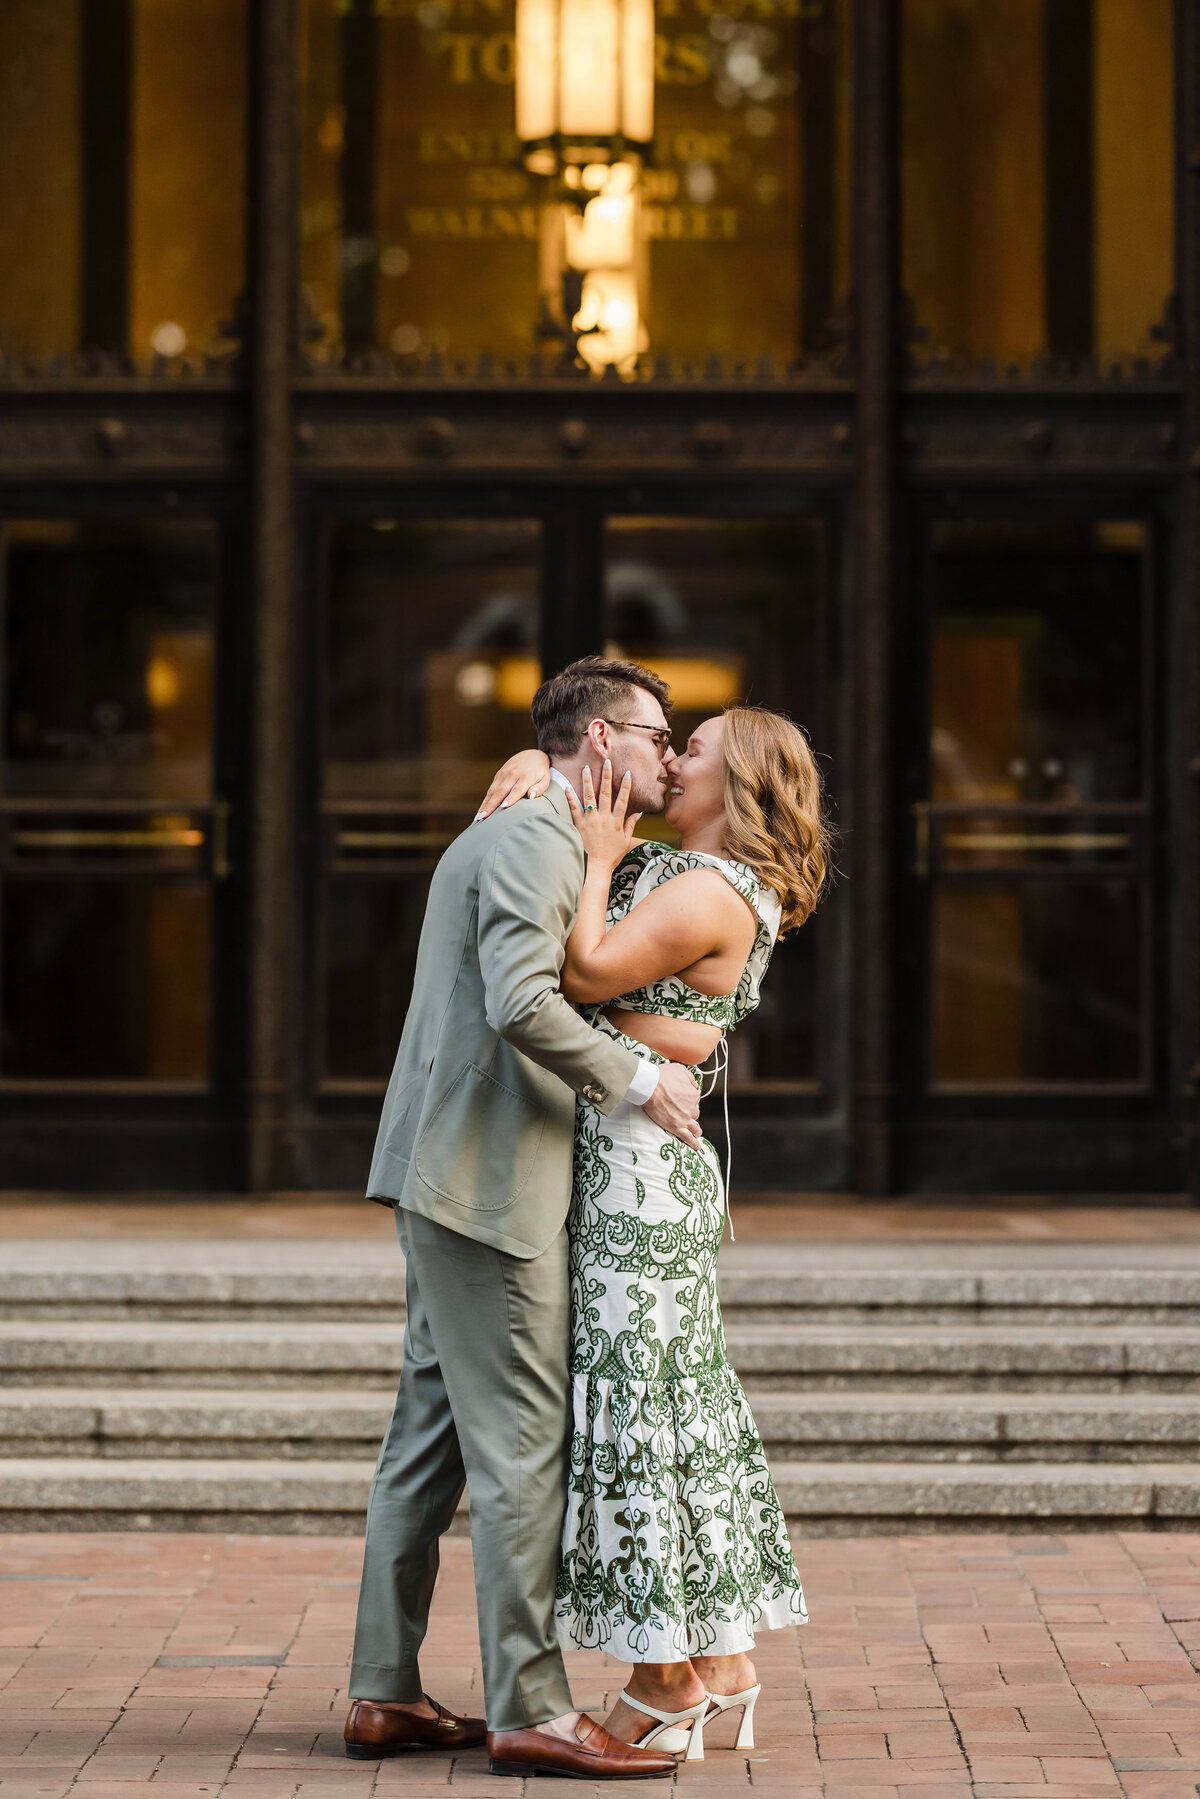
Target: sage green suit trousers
[(483, 1399)]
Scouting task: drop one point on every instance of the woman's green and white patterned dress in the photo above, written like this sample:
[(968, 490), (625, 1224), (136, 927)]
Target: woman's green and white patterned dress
[(674, 1542)]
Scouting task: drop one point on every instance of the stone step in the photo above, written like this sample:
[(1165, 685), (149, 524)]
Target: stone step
[(984, 1356), (827, 1497), (364, 1294), (156, 1352), (285, 1496), (307, 1424), (255, 1351), (979, 1427), (39, 1286), (837, 1294), (193, 1423), (857, 1499)]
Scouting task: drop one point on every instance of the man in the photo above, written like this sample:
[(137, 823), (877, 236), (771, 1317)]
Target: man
[(474, 1151)]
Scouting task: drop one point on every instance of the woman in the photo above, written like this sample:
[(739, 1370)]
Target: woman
[(675, 1550)]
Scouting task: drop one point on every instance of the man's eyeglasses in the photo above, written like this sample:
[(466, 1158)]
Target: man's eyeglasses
[(661, 737)]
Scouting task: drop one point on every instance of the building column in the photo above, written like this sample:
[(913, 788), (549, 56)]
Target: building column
[(269, 827), (1185, 645), (874, 862), (572, 585), (106, 125)]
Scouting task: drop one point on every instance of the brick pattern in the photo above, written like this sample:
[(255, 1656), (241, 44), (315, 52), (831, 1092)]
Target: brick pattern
[(953, 1667)]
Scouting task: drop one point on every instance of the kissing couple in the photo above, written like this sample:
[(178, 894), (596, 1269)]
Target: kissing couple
[(560, 1216)]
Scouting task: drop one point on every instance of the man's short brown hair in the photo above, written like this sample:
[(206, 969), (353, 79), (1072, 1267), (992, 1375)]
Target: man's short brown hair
[(594, 687)]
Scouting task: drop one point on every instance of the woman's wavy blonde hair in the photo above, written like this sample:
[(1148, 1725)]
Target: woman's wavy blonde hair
[(774, 808)]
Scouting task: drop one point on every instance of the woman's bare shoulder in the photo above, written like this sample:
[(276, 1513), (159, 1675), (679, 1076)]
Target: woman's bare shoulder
[(700, 891)]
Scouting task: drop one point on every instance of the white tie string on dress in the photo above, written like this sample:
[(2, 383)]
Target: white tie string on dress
[(720, 1072)]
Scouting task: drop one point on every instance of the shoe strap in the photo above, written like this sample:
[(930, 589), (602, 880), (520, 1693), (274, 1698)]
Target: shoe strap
[(726, 1701), (652, 1711), (443, 1718)]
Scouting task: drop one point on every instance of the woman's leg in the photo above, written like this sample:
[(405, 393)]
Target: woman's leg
[(724, 1674), (668, 1686)]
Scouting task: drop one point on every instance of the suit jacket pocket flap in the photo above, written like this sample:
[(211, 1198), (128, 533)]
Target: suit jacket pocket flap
[(480, 1143)]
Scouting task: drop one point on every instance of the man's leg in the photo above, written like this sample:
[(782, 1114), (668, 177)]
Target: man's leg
[(500, 1327), (418, 1480)]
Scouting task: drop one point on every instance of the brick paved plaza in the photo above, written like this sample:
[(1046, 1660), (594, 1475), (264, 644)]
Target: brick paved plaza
[(969, 1667)]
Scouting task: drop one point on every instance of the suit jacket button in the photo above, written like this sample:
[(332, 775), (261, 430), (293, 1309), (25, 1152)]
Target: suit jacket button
[(593, 1094)]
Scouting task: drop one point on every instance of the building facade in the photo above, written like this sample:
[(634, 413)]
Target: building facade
[(327, 429)]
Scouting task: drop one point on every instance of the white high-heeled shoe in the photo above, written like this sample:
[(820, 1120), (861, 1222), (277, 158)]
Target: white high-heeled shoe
[(667, 1733), (727, 1702)]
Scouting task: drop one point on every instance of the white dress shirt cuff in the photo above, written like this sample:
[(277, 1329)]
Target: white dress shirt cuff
[(643, 1085)]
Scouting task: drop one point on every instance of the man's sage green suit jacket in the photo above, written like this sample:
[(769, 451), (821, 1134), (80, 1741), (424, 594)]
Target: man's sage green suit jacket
[(479, 1117)]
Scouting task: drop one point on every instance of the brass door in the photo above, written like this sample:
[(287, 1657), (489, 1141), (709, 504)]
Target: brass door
[(428, 662), (1032, 955), (112, 836)]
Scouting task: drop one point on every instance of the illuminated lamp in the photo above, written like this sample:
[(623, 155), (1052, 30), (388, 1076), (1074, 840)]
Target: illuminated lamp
[(697, 683), (585, 81), (585, 119)]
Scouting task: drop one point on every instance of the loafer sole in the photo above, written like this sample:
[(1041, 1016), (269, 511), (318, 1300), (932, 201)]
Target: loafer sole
[(364, 1752), (530, 1770)]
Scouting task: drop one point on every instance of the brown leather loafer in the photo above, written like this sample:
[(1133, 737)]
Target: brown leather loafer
[(594, 1755), (373, 1731)]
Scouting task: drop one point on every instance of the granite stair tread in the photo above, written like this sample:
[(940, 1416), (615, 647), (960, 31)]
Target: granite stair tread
[(282, 1277), (156, 1347), (259, 1330), (297, 1404), (1068, 1491), (194, 1422), (1074, 1493)]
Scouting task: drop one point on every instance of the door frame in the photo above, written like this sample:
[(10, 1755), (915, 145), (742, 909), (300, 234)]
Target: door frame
[(1075, 1137), (105, 1134)]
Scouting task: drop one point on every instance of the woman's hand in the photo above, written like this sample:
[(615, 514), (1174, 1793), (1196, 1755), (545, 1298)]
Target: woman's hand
[(607, 833), (525, 775)]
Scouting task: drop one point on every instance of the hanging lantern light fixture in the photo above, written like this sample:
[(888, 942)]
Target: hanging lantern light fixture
[(585, 82), (585, 120)]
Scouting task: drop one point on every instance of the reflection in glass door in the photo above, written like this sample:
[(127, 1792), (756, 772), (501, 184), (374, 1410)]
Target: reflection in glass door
[(729, 610), (430, 665), (1033, 842), (111, 838)]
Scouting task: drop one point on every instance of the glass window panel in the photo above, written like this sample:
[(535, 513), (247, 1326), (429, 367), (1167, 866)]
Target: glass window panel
[(433, 656), (432, 663), (747, 210), (1037, 169), (727, 610), (1038, 662), (122, 174), (1038, 684), (40, 176), (106, 980), (105, 970), (1037, 980), (109, 633), (371, 936), (421, 229)]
